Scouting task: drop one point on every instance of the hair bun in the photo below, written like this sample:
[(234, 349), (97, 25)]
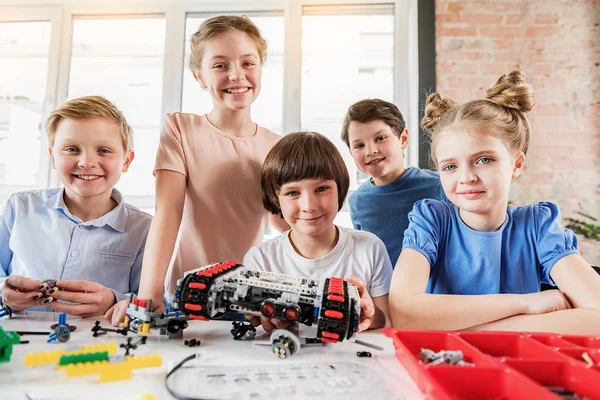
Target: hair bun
[(435, 107), (511, 91)]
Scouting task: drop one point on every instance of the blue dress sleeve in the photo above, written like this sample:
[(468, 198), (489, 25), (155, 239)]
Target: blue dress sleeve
[(553, 241), (7, 220), (424, 229)]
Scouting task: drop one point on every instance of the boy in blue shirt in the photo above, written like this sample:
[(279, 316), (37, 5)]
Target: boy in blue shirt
[(83, 234), (374, 131)]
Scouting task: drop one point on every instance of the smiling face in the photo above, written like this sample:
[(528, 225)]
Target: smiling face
[(231, 71), (89, 157), (309, 206), (377, 150), (476, 170)]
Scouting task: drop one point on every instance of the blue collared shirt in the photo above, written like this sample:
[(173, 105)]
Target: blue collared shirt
[(41, 239)]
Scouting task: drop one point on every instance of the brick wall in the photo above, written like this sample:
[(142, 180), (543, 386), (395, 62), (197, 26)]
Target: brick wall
[(557, 43)]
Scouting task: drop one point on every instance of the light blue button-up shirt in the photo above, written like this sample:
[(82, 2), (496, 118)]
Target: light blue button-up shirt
[(40, 239)]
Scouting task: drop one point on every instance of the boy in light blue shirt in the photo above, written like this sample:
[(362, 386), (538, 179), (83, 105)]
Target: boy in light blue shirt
[(83, 234), (374, 131)]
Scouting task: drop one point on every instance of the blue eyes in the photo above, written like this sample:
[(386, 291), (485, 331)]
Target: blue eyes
[(480, 161)]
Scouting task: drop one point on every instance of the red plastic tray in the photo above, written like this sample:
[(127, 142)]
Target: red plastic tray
[(507, 365)]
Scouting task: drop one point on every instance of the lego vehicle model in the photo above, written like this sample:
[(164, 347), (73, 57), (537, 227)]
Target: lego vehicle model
[(213, 291)]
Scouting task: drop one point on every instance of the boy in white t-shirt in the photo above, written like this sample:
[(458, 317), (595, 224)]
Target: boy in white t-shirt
[(305, 181)]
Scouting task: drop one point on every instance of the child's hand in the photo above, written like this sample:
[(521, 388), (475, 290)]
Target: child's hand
[(268, 324), (116, 314), (19, 291), (92, 298), (544, 302), (366, 303)]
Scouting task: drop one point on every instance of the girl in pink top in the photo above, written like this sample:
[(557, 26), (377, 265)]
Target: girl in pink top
[(208, 167)]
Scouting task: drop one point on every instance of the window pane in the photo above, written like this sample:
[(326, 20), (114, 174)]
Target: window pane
[(268, 107), (24, 48), (345, 58), (122, 59)]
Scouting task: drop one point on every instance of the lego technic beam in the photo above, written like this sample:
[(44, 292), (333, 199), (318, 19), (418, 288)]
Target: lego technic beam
[(212, 291)]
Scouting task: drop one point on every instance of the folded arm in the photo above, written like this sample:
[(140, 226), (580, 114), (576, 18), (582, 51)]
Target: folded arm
[(581, 286)]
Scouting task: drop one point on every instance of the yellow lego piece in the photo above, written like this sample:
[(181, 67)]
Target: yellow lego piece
[(114, 371), (125, 322), (148, 396), (51, 357), (144, 330)]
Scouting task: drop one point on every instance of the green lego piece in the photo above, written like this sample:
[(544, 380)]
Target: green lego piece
[(82, 358), (7, 339)]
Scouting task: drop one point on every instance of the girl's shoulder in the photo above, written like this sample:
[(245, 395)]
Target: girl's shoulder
[(432, 208), (543, 209)]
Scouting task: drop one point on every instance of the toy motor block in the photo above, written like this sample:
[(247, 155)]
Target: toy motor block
[(53, 357), (496, 365), (7, 340)]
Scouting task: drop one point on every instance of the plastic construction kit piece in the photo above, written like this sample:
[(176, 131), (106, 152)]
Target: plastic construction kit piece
[(284, 343), (5, 312), (218, 289), (82, 358), (98, 330), (7, 340), (128, 346), (46, 289), (529, 365), (113, 371), (363, 354), (53, 357), (192, 343), (243, 330), (62, 330), (452, 357), (371, 345)]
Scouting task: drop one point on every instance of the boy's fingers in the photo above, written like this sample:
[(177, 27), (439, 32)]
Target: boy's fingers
[(10, 295), (255, 321), (22, 283), (266, 323), (74, 297), (364, 325), (77, 285)]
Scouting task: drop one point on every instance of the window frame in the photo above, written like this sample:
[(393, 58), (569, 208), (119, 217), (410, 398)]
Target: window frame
[(54, 16), (62, 13)]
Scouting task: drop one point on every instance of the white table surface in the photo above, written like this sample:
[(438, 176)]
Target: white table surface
[(218, 348)]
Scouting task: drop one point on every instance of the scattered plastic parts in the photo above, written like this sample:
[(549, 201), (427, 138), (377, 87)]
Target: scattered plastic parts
[(53, 357), (99, 330), (371, 345), (586, 357), (62, 320), (284, 343), (46, 289), (312, 341), (192, 343), (62, 330), (5, 312), (7, 340), (128, 346), (113, 371), (564, 393), (243, 330), (363, 354), (451, 357)]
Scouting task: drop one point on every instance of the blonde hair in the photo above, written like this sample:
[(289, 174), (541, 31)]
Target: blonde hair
[(502, 113), (90, 107), (216, 26)]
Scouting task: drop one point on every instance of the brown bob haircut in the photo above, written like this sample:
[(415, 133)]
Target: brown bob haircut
[(368, 110), (298, 156)]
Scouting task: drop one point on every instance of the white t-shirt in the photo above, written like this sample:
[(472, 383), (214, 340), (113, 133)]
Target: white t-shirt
[(357, 253)]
